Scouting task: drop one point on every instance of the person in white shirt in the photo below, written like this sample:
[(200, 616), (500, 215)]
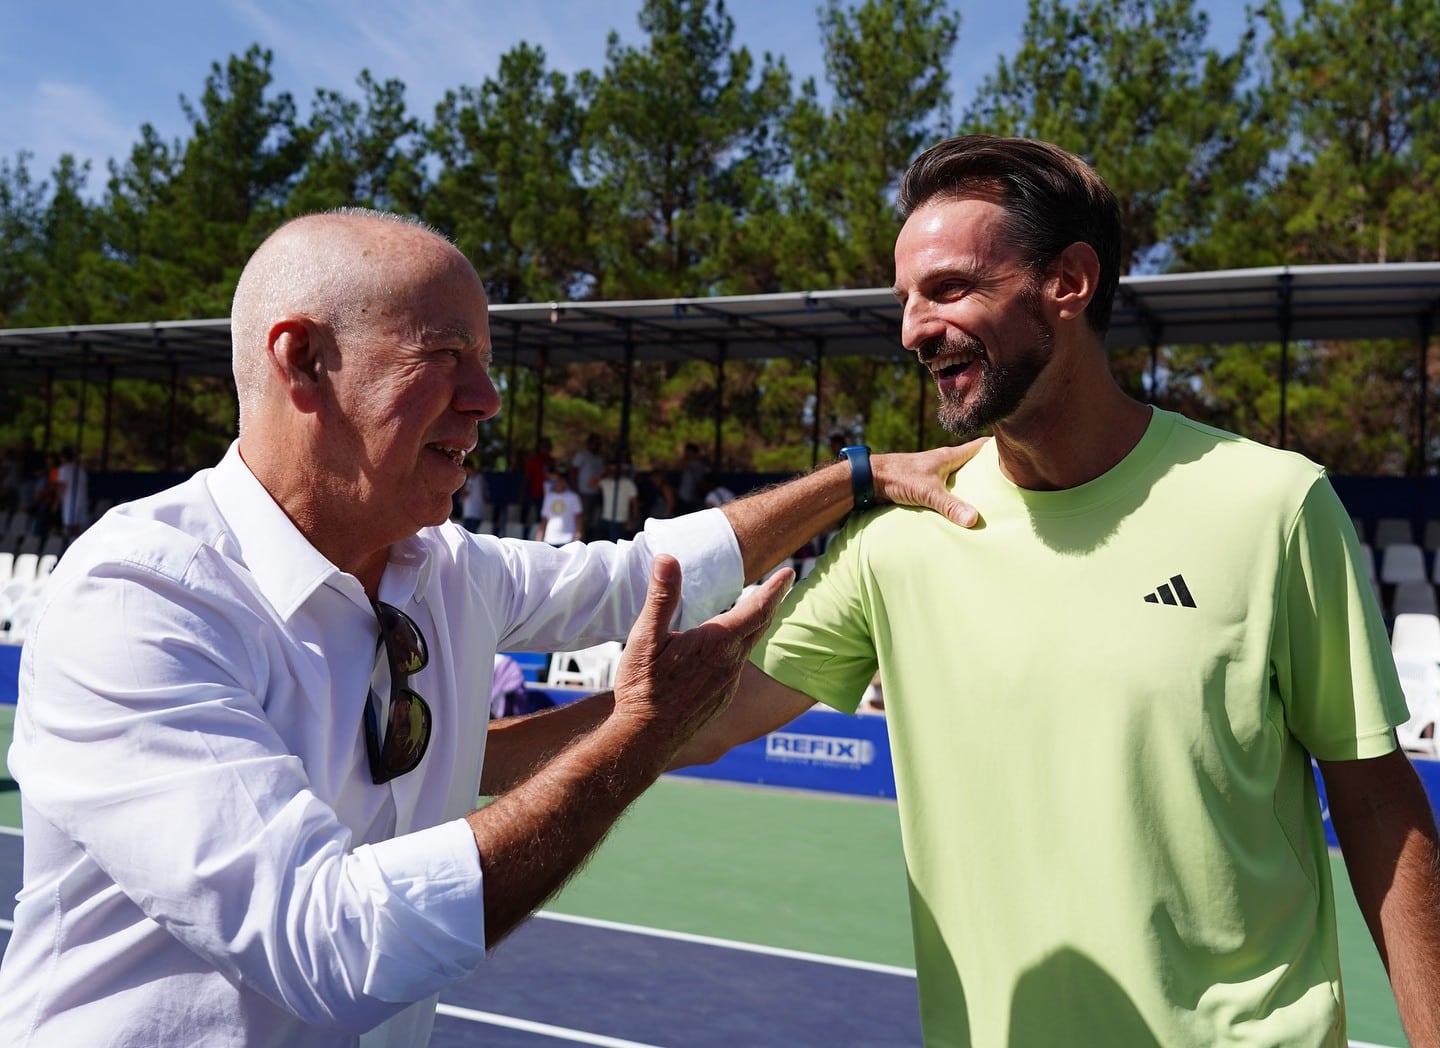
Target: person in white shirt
[(473, 497), (254, 709), (619, 502), (586, 467), (561, 514)]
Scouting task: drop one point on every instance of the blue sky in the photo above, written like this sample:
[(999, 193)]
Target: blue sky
[(81, 76)]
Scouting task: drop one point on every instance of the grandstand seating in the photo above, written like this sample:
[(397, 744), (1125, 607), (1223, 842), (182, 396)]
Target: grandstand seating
[(1416, 595), (1392, 531), (1402, 562)]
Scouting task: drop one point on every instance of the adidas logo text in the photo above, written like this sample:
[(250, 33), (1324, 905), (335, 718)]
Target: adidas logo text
[(1173, 592)]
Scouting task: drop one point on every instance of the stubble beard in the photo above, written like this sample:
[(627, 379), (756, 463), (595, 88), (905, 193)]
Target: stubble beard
[(1003, 387)]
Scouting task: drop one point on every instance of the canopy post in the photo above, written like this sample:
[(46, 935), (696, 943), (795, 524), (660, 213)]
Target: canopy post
[(1422, 457), (819, 400), (1286, 282), (722, 349)]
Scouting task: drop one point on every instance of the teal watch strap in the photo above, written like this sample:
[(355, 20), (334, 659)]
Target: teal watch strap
[(862, 482)]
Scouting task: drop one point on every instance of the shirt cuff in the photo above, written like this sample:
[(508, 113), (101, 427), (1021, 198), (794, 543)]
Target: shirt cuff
[(711, 568), (429, 912)]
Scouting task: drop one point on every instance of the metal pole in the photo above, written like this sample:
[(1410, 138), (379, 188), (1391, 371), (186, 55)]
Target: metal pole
[(109, 416), (539, 396), (721, 351), (170, 419), (815, 418), (510, 397), (1285, 289), (49, 409), (80, 415), (1421, 456), (628, 375)]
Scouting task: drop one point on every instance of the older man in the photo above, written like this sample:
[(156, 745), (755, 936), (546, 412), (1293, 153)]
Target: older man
[(254, 709), (1103, 703)]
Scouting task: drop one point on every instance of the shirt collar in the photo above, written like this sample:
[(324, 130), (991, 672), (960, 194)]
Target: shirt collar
[(286, 568)]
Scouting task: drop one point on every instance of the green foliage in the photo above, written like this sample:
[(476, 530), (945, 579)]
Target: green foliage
[(507, 191), (688, 167)]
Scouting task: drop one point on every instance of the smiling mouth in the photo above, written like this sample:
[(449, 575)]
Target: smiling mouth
[(455, 455)]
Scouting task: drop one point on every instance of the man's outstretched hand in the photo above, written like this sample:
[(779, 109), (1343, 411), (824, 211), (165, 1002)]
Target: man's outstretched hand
[(682, 680)]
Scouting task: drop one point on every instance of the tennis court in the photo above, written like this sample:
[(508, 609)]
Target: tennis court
[(720, 914)]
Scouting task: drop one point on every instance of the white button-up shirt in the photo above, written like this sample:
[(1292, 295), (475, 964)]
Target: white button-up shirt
[(206, 858)]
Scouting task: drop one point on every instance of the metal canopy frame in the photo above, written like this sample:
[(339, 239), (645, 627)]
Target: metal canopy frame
[(1274, 304), (1249, 305)]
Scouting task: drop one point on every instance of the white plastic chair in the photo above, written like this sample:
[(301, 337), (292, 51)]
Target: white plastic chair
[(592, 668), (17, 617), (1420, 680), (1402, 562), (1416, 636), (25, 567), (1414, 597), (1392, 531), (45, 565)]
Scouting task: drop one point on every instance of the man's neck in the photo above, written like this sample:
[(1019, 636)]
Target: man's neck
[(1073, 445)]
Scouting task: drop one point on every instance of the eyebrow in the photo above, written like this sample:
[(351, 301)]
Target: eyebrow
[(449, 332)]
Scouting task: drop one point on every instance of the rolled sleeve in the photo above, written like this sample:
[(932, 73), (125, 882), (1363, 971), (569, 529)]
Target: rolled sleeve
[(429, 916)]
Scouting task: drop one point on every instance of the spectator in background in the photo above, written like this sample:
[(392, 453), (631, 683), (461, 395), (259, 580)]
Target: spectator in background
[(73, 485), (716, 493), (10, 480), (657, 495), (586, 467), (473, 496), (619, 503), (510, 696), (562, 517), (690, 489), (45, 505), (534, 477)]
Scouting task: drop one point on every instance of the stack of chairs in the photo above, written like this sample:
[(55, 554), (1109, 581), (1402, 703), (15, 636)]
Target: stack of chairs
[(1405, 574)]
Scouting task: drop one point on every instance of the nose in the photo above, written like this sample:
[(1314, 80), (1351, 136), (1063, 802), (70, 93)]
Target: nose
[(919, 321), (476, 395)]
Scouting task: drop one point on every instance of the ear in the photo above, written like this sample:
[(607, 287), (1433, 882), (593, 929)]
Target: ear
[(1075, 276), (295, 351)]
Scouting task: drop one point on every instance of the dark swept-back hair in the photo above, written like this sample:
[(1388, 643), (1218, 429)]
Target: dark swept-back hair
[(1052, 199)]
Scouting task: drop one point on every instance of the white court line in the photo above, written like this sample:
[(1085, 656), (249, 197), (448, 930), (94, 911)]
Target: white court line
[(11, 831), (525, 1025), (6, 926), (728, 944)]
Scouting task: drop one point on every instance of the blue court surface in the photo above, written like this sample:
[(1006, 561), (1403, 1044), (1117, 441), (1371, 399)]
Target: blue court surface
[(562, 980)]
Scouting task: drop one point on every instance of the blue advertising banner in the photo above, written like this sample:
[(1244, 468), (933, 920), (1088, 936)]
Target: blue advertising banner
[(819, 750), (9, 673)]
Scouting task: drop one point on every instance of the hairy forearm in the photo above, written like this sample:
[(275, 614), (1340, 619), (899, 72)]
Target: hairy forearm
[(535, 836), (772, 524), (516, 746)]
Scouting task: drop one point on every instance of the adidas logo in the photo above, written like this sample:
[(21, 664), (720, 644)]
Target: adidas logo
[(1173, 592)]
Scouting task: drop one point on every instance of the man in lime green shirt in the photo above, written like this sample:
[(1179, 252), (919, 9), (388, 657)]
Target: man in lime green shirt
[(1104, 698)]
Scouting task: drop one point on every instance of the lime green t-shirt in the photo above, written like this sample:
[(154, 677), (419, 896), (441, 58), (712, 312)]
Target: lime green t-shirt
[(1101, 705)]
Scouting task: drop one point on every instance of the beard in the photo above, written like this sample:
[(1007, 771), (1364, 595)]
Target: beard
[(1003, 386)]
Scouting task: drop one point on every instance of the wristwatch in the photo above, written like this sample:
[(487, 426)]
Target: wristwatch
[(862, 483)]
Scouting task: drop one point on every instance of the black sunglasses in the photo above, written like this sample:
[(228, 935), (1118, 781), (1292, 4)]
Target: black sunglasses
[(398, 746)]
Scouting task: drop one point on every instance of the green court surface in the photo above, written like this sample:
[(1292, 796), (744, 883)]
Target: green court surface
[(803, 871)]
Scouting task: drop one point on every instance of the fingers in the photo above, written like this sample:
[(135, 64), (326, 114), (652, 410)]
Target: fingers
[(662, 597), (751, 615), (921, 480)]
